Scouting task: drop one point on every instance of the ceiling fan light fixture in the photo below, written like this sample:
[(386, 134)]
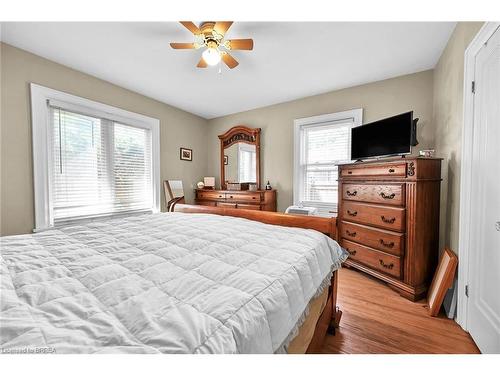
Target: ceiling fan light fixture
[(211, 56)]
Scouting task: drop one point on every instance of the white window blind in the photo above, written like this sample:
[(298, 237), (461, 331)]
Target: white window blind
[(320, 143), (100, 166), (247, 164)]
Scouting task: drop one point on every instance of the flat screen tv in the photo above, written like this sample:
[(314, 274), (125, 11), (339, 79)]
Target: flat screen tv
[(387, 137)]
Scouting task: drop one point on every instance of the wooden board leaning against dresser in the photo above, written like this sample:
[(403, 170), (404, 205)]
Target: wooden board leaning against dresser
[(388, 220)]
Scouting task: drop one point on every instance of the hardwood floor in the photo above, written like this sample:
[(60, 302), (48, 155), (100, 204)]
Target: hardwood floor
[(377, 320)]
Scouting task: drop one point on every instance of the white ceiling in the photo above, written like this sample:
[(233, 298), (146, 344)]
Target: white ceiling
[(290, 60)]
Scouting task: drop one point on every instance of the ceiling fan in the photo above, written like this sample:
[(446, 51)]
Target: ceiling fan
[(210, 35)]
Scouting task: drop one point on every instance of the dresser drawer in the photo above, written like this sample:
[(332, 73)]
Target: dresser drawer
[(243, 197), (248, 206), (391, 194), (374, 215), (206, 203), (398, 170), (209, 195), (226, 205), (372, 258), (383, 240)]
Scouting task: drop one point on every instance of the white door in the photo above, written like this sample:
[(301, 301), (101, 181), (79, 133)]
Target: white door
[(484, 267)]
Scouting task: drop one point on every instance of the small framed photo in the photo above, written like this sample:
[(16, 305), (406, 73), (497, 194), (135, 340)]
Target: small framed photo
[(226, 160), (186, 154)]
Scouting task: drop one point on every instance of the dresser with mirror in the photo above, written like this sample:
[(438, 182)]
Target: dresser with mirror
[(240, 185)]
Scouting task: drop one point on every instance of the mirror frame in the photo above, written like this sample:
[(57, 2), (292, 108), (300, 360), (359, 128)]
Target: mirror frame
[(237, 134)]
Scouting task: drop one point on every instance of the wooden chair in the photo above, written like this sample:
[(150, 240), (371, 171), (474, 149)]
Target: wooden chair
[(174, 193)]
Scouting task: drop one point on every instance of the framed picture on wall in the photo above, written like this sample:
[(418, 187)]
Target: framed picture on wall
[(186, 154), (226, 160)]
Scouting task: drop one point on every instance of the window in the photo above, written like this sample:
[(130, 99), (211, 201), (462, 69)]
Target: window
[(91, 160), (320, 143), (247, 164)]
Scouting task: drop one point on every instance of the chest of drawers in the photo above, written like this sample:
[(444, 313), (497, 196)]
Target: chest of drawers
[(389, 220)]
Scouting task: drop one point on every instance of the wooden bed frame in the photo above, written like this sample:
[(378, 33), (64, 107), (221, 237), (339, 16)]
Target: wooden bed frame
[(330, 317)]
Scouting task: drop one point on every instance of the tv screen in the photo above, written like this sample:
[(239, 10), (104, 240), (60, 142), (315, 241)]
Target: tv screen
[(390, 136)]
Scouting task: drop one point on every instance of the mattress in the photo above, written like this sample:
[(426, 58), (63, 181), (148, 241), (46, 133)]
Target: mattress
[(161, 283)]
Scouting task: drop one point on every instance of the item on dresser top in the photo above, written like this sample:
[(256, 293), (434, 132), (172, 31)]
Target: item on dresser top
[(200, 185), (427, 153), (389, 220), (209, 182), (237, 185), (301, 210), (252, 187), (268, 186)]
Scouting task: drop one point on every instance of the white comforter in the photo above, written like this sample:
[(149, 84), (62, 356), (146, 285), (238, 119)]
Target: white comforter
[(170, 283)]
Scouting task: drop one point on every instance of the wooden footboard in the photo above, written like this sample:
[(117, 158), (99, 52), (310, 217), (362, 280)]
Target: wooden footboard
[(330, 317)]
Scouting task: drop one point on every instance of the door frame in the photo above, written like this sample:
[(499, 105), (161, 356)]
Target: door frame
[(465, 247)]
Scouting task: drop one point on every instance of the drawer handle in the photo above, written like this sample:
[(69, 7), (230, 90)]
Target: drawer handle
[(351, 252), (352, 213), (382, 194), (388, 221), (386, 244), (388, 266), (254, 198), (353, 194), (220, 196), (391, 170), (231, 196), (349, 172), (350, 234)]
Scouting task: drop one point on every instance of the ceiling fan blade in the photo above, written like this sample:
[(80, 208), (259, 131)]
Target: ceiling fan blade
[(182, 45), (222, 26), (229, 60), (246, 44), (191, 27), (202, 63)]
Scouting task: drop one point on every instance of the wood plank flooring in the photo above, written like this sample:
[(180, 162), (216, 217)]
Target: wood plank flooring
[(378, 320)]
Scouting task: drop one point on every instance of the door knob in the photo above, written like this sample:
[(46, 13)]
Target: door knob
[(497, 226)]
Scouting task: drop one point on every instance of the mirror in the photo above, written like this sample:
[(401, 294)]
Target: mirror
[(240, 163), (240, 147)]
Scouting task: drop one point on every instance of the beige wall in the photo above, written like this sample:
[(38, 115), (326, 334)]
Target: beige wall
[(19, 68), (435, 96), (448, 108), (378, 100)]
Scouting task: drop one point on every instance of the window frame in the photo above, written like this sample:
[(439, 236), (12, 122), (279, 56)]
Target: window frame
[(353, 115), (42, 146)]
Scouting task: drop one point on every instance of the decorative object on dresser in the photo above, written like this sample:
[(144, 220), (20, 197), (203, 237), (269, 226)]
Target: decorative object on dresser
[(186, 154), (209, 183), (389, 220)]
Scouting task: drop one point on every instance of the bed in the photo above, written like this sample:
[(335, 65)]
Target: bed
[(179, 282)]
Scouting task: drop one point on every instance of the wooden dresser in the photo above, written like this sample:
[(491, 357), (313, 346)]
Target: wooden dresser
[(389, 220), (263, 200)]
